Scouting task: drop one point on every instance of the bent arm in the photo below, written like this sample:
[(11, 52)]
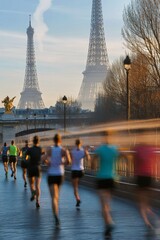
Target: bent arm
[(46, 156), (87, 155), (66, 154)]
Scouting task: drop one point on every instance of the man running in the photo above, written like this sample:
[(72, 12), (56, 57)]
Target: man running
[(4, 152), (107, 155), (34, 170), (13, 154)]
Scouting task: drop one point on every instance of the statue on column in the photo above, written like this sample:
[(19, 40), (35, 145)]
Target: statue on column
[(8, 104)]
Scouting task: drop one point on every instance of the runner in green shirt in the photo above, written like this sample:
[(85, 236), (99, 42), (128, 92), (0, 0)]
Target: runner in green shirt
[(13, 153)]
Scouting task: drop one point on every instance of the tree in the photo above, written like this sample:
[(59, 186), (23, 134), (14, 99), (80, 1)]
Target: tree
[(72, 106), (106, 109), (111, 104), (144, 97), (141, 32)]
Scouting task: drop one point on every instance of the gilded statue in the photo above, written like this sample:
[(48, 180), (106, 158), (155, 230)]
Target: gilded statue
[(8, 104)]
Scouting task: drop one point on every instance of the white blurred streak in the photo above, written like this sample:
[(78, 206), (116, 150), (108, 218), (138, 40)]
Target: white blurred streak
[(124, 134)]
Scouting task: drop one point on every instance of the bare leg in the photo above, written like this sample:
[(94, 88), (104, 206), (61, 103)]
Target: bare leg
[(24, 174), (38, 189), (32, 187), (75, 182), (11, 166), (54, 191), (144, 206), (105, 197), (5, 164), (15, 169), (31, 183)]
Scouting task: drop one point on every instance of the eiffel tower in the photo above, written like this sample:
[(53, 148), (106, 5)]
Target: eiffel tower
[(31, 95), (97, 60)]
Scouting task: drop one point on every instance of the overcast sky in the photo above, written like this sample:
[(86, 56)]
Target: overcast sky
[(62, 29)]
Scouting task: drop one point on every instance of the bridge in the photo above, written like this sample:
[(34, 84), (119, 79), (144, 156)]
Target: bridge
[(21, 220), (25, 123)]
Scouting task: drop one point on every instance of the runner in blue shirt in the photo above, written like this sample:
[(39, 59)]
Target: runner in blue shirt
[(4, 153)]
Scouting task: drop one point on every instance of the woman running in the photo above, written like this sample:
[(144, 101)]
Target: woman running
[(56, 157), (34, 170), (24, 162), (77, 155)]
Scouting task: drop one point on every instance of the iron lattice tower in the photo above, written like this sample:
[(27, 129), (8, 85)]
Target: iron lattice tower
[(97, 60), (31, 95)]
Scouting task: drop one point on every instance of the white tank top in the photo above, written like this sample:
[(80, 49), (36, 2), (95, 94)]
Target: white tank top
[(56, 167), (78, 159)]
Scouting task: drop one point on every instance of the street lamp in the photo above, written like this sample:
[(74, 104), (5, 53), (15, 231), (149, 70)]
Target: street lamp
[(27, 124), (44, 121), (127, 67), (35, 120), (64, 99), (27, 119)]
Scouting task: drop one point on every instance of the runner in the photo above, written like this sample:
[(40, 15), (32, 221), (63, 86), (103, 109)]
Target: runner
[(107, 155), (13, 154), (144, 167), (4, 153), (34, 170), (24, 162), (77, 155), (56, 157)]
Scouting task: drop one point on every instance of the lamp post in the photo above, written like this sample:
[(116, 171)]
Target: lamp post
[(27, 119), (44, 121), (27, 124), (35, 121), (64, 99), (127, 67)]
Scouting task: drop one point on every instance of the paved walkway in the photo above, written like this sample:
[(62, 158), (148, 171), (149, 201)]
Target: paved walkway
[(20, 220)]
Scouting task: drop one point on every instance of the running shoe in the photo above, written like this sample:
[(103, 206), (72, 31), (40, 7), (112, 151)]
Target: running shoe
[(108, 232), (25, 184), (78, 203), (12, 174), (33, 195), (15, 178), (37, 205), (57, 221), (6, 174)]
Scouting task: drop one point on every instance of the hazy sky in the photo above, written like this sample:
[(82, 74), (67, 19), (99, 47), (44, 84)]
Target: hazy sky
[(62, 29)]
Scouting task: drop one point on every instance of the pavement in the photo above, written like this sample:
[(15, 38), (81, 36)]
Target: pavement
[(20, 220)]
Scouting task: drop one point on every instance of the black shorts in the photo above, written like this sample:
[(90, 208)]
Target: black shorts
[(55, 180), (144, 181), (77, 174), (34, 171), (105, 183), (4, 158), (12, 159), (24, 164)]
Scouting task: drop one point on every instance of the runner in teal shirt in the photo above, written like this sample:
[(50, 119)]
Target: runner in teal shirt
[(107, 156)]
